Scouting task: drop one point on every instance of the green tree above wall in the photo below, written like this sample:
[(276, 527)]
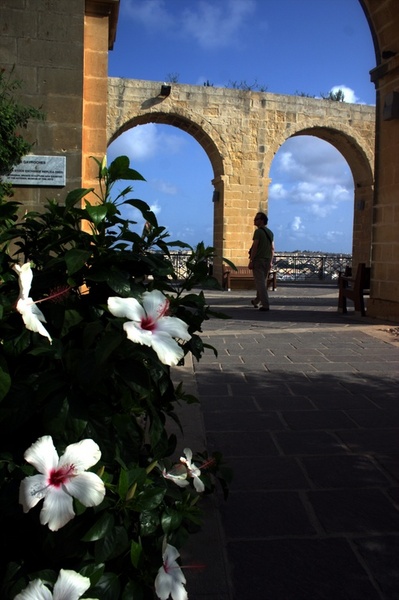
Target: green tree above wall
[(14, 117)]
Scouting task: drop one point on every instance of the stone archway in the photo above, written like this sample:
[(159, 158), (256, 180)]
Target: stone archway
[(212, 150), (241, 131), (359, 160)]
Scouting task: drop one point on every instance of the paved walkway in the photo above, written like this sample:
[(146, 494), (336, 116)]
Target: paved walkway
[(304, 405)]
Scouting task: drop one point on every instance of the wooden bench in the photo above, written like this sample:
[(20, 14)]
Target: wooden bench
[(354, 288), (244, 275)]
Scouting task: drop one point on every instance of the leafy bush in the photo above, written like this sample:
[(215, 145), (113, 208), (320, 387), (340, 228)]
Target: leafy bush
[(14, 117), (79, 377)]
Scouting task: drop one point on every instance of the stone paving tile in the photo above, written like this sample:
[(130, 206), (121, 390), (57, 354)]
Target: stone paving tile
[(390, 462), (355, 510), (275, 473), (230, 421), (375, 418), (244, 443), (299, 569), (381, 556), (227, 403), (282, 402), (302, 443), (370, 441), (344, 471), (341, 401), (272, 514), (317, 419)]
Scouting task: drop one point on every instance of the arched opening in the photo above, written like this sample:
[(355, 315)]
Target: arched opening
[(321, 194), (311, 197), (178, 176)]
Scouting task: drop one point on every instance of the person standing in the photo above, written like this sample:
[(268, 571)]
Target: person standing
[(260, 259)]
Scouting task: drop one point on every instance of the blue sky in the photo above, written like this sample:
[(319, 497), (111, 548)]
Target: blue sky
[(286, 46)]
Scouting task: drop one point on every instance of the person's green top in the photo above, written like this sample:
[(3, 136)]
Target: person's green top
[(264, 249)]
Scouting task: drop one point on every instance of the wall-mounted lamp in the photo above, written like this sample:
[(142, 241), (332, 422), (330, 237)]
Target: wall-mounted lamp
[(215, 196), (165, 90)]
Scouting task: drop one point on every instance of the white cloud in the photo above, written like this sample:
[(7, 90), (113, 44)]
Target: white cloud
[(296, 224), (210, 24), (156, 208), (144, 142), (311, 173), (152, 14), (138, 143), (164, 187), (349, 94), (216, 24), (277, 191)]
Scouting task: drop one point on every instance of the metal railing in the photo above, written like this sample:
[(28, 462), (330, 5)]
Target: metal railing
[(290, 266), (308, 267)]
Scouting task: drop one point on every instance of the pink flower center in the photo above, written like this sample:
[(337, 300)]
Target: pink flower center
[(148, 323), (59, 476)]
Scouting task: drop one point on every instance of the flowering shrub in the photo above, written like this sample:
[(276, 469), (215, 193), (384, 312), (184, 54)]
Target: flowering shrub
[(88, 496)]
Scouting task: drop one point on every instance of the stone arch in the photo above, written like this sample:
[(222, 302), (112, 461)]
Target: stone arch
[(240, 131), (360, 160), (199, 133), (212, 144)]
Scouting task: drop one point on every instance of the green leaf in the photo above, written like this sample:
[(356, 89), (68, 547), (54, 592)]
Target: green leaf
[(144, 209), (171, 520), (76, 259), (123, 483), (108, 588), (136, 551), (120, 169), (149, 521), (5, 379), (150, 498), (107, 345), (113, 544), (94, 572), (71, 319), (100, 529), (96, 212), (75, 196)]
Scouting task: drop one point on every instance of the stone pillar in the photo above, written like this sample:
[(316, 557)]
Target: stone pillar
[(95, 85), (384, 300)]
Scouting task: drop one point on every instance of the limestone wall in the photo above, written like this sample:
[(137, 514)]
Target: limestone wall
[(48, 58), (384, 302)]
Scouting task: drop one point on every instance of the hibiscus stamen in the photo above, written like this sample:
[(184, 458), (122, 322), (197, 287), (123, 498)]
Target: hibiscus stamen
[(58, 476), (200, 567), (148, 324), (56, 294), (163, 309), (207, 464)]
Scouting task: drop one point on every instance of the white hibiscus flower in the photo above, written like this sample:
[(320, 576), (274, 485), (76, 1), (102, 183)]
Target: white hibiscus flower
[(69, 586), (148, 324), (170, 579), (32, 315), (61, 480)]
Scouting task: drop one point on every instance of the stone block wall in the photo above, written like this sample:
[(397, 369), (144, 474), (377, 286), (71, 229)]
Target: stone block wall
[(48, 59), (384, 21), (60, 52)]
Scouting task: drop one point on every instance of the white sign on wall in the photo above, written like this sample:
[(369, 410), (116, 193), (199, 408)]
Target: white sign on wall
[(39, 170)]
